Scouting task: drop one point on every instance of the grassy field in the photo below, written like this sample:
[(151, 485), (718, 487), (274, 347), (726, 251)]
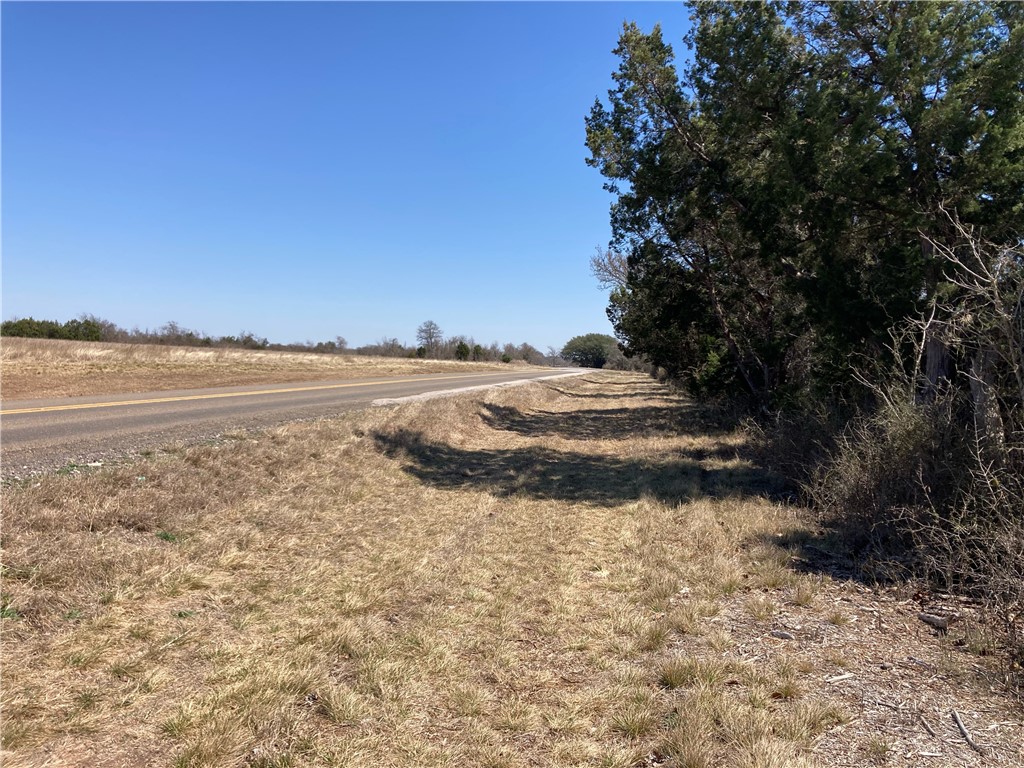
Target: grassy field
[(576, 573), (40, 368)]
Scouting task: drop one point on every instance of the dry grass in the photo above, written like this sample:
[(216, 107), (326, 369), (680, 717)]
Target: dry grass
[(43, 368), (564, 575)]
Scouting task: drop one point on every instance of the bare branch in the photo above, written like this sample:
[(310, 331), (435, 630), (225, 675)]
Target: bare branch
[(610, 268)]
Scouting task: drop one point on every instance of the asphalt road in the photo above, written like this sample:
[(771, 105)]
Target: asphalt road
[(36, 435)]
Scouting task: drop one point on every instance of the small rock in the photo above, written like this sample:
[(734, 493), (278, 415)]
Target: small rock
[(782, 634), (840, 678), (941, 623)]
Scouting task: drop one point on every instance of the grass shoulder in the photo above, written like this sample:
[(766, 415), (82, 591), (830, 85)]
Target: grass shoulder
[(576, 572)]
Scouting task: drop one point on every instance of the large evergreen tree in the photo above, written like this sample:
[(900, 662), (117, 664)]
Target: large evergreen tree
[(777, 199), (591, 350)]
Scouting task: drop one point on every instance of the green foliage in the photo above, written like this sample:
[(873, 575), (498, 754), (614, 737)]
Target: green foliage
[(462, 351), (92, 328), (823, 213), (7, 609), (777, 198), (589, 351), (186, 338), (84, 329)]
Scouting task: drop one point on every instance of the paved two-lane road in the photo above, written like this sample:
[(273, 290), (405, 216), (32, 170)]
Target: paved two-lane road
[(41, 434)]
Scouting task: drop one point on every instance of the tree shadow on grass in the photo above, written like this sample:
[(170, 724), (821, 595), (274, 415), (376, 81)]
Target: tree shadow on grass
[(600, 423), (646, 394), (842, 553), (607, 384), (542, 473), (619, 389)]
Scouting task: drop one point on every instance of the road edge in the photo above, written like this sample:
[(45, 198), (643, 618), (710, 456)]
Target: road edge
[(386, 401)]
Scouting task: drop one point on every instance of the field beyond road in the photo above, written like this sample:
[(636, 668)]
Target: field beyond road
[(45, 368), (582, 572)]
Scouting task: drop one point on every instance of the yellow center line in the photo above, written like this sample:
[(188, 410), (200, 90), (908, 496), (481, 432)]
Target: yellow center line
[(218, 395)]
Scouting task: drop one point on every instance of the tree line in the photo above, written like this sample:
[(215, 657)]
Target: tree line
[(92, 328), (819, 217), (431, 341)]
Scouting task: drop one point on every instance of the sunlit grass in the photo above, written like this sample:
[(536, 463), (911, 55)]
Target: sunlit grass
[(415, 586), (40, 368)]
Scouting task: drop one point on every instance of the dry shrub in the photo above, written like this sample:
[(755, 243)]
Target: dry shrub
[(795, 443), (884, 472), (976, 543), (910, 491), (933, 478)]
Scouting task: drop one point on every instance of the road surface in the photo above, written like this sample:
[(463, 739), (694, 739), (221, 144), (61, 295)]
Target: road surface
[(36, 435)]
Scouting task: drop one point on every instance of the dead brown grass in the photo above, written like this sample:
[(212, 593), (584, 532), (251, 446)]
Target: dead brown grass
[(570, 574), (44, 368)]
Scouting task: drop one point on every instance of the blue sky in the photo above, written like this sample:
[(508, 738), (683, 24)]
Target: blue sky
[(308, 170)]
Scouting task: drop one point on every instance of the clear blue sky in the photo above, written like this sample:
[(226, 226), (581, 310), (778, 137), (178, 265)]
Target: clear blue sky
[(309, 170)]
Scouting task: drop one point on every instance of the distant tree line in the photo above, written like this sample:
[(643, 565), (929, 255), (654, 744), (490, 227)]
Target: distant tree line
[(92, 328), (84, 329), (431, 342)]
